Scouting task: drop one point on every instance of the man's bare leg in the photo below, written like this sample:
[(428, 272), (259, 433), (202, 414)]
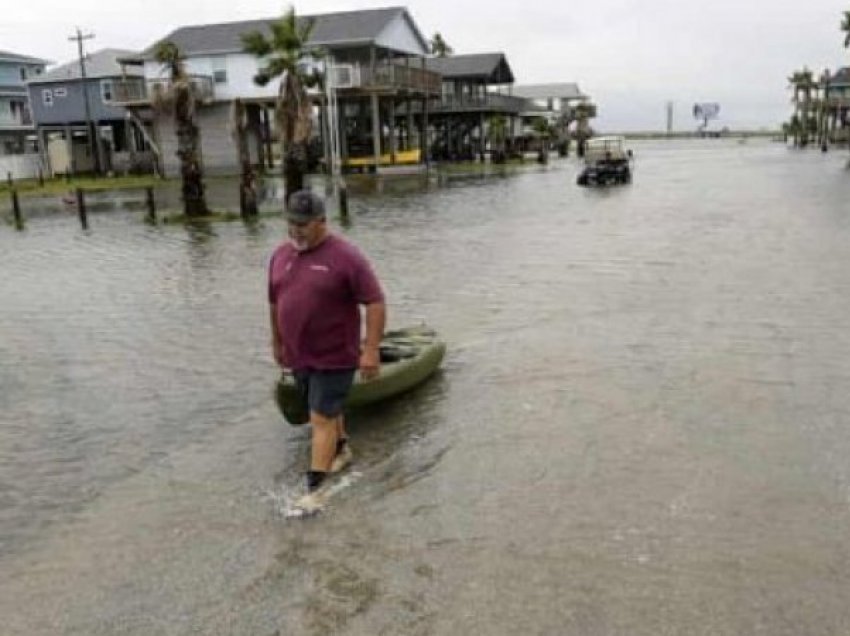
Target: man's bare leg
[(343, 451), (322, 453), (324, 441)]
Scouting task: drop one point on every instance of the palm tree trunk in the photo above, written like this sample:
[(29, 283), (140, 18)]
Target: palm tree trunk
[(188, 145), (805, 134), (247, 184), (293, 115), (247, 188)]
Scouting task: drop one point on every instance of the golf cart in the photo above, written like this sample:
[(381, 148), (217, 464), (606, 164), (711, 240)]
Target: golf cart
[(606, 162)]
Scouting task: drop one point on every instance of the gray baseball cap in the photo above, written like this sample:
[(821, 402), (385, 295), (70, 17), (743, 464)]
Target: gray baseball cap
[(304, 206)]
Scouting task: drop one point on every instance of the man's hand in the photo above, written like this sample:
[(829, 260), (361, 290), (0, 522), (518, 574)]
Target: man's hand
[(279, 356), (370, 362)]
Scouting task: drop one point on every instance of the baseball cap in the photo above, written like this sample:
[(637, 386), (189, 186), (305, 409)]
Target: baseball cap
[(304, 206)]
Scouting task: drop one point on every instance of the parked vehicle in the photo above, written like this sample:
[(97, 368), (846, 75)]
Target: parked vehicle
[(607, 162)]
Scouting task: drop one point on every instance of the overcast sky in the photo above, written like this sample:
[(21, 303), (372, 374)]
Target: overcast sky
[(630, 56)]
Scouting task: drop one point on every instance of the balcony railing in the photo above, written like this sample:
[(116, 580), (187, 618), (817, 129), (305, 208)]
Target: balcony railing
[(388, 76), (138, 91), (838, 102), (487, 102), (17, 118)]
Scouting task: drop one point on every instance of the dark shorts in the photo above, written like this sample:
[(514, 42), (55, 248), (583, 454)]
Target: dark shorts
[(325, 391)]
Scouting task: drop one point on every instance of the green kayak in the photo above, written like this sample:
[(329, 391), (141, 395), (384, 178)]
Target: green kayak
[(408, 357)]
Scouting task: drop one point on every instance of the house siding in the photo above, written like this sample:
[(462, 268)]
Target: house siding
[(218, 150), (71, 108), (10, 73), (398, 36), (240, 68)]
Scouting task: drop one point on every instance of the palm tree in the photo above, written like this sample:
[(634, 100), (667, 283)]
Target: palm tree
[(795, 127), (562, 132), (179, 100), (845, 27), (543, 130), (803, 82), (238, 127), (583, 111), (497, 128), (285, 55), (439, 46)]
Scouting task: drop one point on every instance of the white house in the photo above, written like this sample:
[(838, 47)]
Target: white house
[(377, 57)]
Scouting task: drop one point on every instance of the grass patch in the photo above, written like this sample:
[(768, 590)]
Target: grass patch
[(31, 187)]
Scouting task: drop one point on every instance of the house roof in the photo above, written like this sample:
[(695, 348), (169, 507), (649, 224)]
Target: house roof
[(492, 67), (567, 90), (7, 56), (841, 76), (329, 29), (102, 63)]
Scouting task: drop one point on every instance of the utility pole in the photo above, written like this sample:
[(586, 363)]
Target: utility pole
[(669, 118), (92, 132)]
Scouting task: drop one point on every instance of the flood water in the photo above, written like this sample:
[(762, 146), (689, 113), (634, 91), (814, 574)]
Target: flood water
[(642, 425)]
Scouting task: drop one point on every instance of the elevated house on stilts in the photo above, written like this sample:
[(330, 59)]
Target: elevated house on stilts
[(474, 88), (375, 64)]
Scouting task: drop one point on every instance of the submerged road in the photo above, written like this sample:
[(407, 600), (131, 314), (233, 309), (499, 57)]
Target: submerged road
[(641, 426)]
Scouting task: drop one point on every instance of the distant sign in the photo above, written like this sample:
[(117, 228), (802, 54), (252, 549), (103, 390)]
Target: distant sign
[(706, 111)]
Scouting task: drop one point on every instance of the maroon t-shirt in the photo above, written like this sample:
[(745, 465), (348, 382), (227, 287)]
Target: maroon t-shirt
[(316, 296)]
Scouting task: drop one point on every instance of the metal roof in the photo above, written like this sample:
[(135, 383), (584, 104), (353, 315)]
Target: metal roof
[(100, 64), (329, 29), (7, 56), (492, 67), (841, 76), (566, 90)]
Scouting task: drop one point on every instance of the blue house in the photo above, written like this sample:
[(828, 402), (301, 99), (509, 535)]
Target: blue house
[(65, 108), (17, 131)]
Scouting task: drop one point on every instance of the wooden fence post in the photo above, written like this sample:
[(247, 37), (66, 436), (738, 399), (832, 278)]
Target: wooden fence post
[(343, 200), (151, 204), (16, 210), (81, 208)]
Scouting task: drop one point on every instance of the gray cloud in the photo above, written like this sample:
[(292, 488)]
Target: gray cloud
[(631, 56)]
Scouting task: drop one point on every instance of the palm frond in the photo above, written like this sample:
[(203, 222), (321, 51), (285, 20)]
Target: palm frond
[(256, 43)]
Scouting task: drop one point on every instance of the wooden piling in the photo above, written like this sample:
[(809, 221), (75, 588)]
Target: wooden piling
[(16, 210), (81, 209), (151, 204), (343, 200)]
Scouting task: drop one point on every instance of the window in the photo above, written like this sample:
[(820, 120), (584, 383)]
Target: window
[(106, 91), (23, 74), (60, 92), (47, 97), (219, 68)]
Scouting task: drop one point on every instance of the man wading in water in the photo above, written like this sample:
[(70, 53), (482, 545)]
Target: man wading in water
[(317, 282)]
